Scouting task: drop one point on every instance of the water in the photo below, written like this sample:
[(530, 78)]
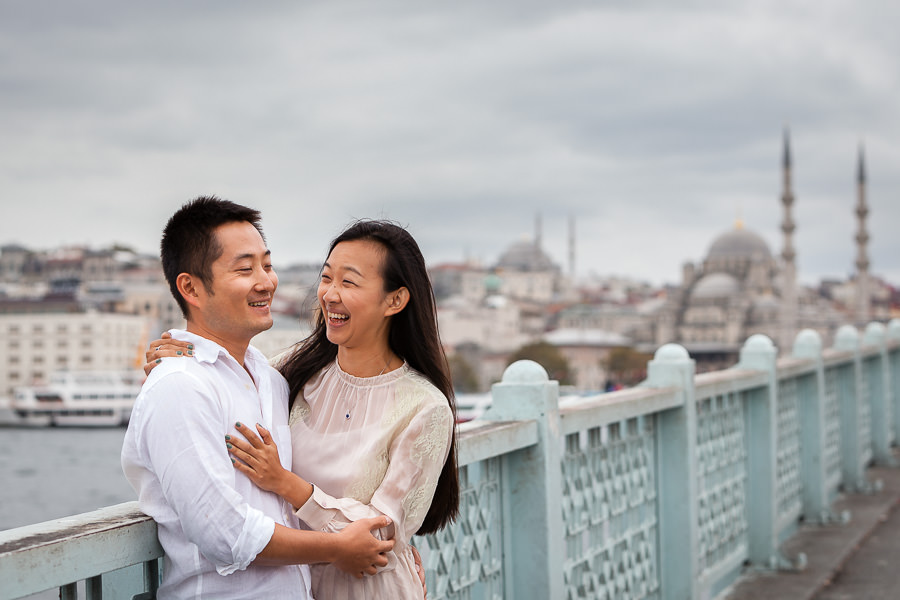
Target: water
[(51, 473)]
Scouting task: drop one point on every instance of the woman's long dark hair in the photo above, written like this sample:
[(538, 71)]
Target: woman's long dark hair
[(413, 337)]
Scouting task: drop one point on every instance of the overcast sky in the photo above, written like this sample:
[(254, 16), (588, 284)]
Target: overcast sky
[(653, 124)]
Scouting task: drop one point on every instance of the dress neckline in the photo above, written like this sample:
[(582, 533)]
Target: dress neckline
[(377, 380)]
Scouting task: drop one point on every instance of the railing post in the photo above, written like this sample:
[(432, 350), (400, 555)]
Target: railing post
[(816, 505), (758, 353), (893, 335), (533, 534), (879, 396), (677, 475), (850, 394)]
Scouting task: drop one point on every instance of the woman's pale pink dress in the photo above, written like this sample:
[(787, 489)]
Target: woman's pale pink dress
[(372, 446)]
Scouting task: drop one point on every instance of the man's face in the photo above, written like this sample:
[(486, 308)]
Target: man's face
[(238, 305)]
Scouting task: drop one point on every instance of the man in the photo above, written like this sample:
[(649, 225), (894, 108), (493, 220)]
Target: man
[(223, 536)]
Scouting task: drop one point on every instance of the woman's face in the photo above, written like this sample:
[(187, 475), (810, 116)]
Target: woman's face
[(352, 297)]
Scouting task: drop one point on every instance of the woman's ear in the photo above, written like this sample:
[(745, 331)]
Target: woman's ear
[(190, 288), (397, 301)]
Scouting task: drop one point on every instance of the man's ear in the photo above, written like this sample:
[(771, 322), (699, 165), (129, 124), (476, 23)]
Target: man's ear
[(190, 288), (397, 301)]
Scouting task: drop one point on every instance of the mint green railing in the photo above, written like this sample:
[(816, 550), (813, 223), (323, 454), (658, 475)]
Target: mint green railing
[(641, 493)]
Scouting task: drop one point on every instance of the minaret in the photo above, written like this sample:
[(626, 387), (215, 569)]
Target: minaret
[(789, 273), (862, 242), (536, 251)]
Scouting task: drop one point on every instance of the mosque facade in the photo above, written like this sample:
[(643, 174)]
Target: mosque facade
[(741, 288)]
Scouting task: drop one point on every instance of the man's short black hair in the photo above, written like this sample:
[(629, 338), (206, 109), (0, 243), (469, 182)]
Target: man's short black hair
[(189, 243)]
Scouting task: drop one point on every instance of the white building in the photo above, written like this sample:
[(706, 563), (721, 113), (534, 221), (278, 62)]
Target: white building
[(494, 325), (33, 345), (586, 350)]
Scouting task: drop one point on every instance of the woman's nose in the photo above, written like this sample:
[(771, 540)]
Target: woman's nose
[(331, 293)]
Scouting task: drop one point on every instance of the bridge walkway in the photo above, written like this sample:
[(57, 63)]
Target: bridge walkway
[(858, 560)]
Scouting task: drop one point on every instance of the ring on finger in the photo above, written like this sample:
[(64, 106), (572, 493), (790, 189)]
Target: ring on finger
[(158, 347)]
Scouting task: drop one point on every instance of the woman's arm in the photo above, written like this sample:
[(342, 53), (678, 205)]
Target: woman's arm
[(416, 459)]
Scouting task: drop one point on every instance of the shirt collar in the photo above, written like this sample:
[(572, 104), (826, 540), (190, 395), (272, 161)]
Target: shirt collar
[(206, 350)]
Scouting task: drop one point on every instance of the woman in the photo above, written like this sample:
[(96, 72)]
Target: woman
[(372, 416)]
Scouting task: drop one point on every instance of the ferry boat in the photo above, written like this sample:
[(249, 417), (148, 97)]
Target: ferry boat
[(78, 399)]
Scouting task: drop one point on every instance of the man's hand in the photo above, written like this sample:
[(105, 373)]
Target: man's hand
[(359, 551)]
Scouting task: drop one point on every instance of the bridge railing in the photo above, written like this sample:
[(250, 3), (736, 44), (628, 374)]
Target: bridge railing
[(666, 490)]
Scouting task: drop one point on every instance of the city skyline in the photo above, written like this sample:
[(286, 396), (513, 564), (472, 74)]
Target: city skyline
[(654, 127)]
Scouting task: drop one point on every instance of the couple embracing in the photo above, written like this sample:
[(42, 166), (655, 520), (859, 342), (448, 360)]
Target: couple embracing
[(309, 477)]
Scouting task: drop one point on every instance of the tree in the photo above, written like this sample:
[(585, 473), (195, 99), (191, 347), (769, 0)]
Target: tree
[(464, 379), (548, 356), (626, 365)]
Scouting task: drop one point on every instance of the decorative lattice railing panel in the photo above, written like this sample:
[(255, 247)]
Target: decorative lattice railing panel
[(466, 558), (832, 453), (865, 420), (610, 512), (722, 478), (788, 481)]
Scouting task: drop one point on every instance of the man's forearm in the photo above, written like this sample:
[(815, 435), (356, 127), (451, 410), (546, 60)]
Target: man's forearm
[(296, 546), (353, 550)]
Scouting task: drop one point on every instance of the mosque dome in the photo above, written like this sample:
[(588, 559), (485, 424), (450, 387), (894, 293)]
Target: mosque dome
[(525, 256), (739, 243), (716, 285)]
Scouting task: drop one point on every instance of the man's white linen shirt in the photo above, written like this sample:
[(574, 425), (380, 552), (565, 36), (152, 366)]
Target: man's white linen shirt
[(212, 520)]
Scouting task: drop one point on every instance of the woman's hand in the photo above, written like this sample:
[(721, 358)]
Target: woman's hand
[(163, 347), (258, 459), (420, 570)]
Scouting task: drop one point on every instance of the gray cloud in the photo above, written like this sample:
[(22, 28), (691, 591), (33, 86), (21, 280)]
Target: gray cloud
[(655, 126)]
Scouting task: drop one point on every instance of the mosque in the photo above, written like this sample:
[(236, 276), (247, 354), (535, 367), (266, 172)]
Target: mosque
[(741, 289)]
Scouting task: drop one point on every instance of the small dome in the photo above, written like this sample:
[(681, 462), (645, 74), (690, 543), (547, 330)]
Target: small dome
[(739, 243), (716, 285), (493, 283), (525, 256)]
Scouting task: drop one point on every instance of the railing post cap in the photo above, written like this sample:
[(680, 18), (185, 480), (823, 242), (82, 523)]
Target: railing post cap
[(874, 334), (893, 329), (525, 371), (808, 343), (758, 342), (671, 353), (846, 338)]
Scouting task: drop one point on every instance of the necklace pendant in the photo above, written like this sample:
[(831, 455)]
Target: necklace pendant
[(347, 417)]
